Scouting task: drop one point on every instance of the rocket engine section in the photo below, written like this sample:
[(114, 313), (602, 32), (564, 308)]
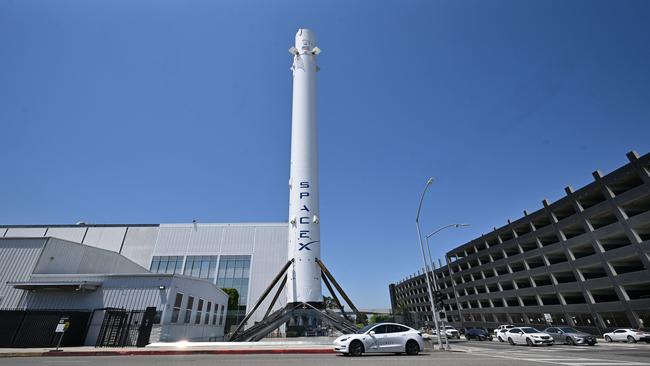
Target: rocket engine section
[(304, 277)]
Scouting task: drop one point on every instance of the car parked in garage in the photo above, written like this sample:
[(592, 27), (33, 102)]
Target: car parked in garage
[(378, 338), (570, 336), (627, 335)]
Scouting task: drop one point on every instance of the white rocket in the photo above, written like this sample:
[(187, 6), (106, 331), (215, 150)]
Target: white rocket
[(304, 277)]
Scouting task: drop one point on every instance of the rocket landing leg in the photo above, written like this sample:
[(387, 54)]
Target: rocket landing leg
[(297, 313)]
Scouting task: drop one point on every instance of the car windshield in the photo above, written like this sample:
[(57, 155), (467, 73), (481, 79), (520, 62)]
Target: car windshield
[(530, 330), (365, 329), (569, 330)]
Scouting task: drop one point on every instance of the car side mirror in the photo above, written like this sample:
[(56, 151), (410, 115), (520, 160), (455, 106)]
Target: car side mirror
[(560, 332), (372, 333)]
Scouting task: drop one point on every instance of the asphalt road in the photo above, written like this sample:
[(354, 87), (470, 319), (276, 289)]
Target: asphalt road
[(473, 354)]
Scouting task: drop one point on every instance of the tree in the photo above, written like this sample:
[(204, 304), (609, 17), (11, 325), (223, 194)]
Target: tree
[(404, 314), (362, 318), (328, 302), (233, 298), (378, 318)]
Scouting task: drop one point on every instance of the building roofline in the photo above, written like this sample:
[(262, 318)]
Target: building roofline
[(187, 224)]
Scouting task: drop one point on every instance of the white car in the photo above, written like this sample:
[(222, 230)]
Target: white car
[(450, 332), (500, 330), (501, 334), (627, 335), (383, 337), (528, 336)]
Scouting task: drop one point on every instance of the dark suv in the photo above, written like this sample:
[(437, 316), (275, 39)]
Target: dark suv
[(478, 334)]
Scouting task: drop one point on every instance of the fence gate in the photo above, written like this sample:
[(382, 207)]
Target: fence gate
[(122, 328)]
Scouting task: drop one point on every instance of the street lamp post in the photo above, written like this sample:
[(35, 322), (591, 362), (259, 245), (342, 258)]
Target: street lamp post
[(433, 268), (424, 260)]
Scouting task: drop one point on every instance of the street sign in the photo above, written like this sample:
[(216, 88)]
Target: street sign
[(548, 318), (61, 327)]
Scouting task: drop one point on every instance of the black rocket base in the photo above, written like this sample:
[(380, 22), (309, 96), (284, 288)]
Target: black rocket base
[(273, 320)]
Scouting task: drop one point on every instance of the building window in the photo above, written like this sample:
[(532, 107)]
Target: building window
[(216, 313), (558, 319), (199, 312), (171, 265), (223, 308), (535, 318), (188, 310), (207, 313), (615, 319), (582, 320), (517, 319), (234, 272), (201, 266), (177, 307)]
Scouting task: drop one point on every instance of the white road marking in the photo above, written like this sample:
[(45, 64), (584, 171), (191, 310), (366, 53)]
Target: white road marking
[(542, 356)]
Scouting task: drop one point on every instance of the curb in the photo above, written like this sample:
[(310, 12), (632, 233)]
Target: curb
[(167, 352)]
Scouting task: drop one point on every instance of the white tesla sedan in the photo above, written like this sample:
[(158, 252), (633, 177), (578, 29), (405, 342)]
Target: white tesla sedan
[(528, 336), (382, 337)]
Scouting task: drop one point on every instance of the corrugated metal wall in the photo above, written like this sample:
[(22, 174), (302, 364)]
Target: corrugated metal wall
[(270, 254), (139, 243), (109, 238), (17, 259), (265, 242), (75, 234), (133, 293), (172, 240), (238, 240), (25, 232), (206, 240), (61, 257)]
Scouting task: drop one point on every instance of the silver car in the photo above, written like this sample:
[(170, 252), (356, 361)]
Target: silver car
[(570, 335)]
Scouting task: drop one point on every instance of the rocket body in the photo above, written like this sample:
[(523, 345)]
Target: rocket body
[(304, 276)]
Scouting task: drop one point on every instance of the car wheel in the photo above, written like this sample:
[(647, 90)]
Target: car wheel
[(512, 343), (529, 343), (631, 339), (570, 341), (356, 348), (608, 339), (500, 339), (412, 348)]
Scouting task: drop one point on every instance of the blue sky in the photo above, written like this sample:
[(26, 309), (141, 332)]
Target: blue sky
[(168, 111)]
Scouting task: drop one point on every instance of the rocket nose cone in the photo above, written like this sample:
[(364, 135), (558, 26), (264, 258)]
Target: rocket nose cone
[(305, 39)]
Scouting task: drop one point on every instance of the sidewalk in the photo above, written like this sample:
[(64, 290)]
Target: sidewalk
[(268, 346), (311, 345)]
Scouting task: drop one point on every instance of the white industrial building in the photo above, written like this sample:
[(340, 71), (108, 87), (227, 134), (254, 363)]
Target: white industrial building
[(135, 267)]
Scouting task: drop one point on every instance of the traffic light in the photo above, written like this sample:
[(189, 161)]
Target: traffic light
[(438, 297)]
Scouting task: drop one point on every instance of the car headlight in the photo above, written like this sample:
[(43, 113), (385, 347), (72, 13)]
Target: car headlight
[(343, 339)]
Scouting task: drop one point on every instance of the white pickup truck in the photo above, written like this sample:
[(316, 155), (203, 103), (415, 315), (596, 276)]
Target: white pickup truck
[(499, 332)]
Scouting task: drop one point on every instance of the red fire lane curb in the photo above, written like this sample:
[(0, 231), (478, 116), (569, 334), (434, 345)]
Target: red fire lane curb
[(168, 352)]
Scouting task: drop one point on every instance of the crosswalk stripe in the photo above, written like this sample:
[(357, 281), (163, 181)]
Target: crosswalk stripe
[(565, 361)]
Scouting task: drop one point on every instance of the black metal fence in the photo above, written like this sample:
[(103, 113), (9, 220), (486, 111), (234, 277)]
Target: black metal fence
[(35, 328), (121, 328)]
